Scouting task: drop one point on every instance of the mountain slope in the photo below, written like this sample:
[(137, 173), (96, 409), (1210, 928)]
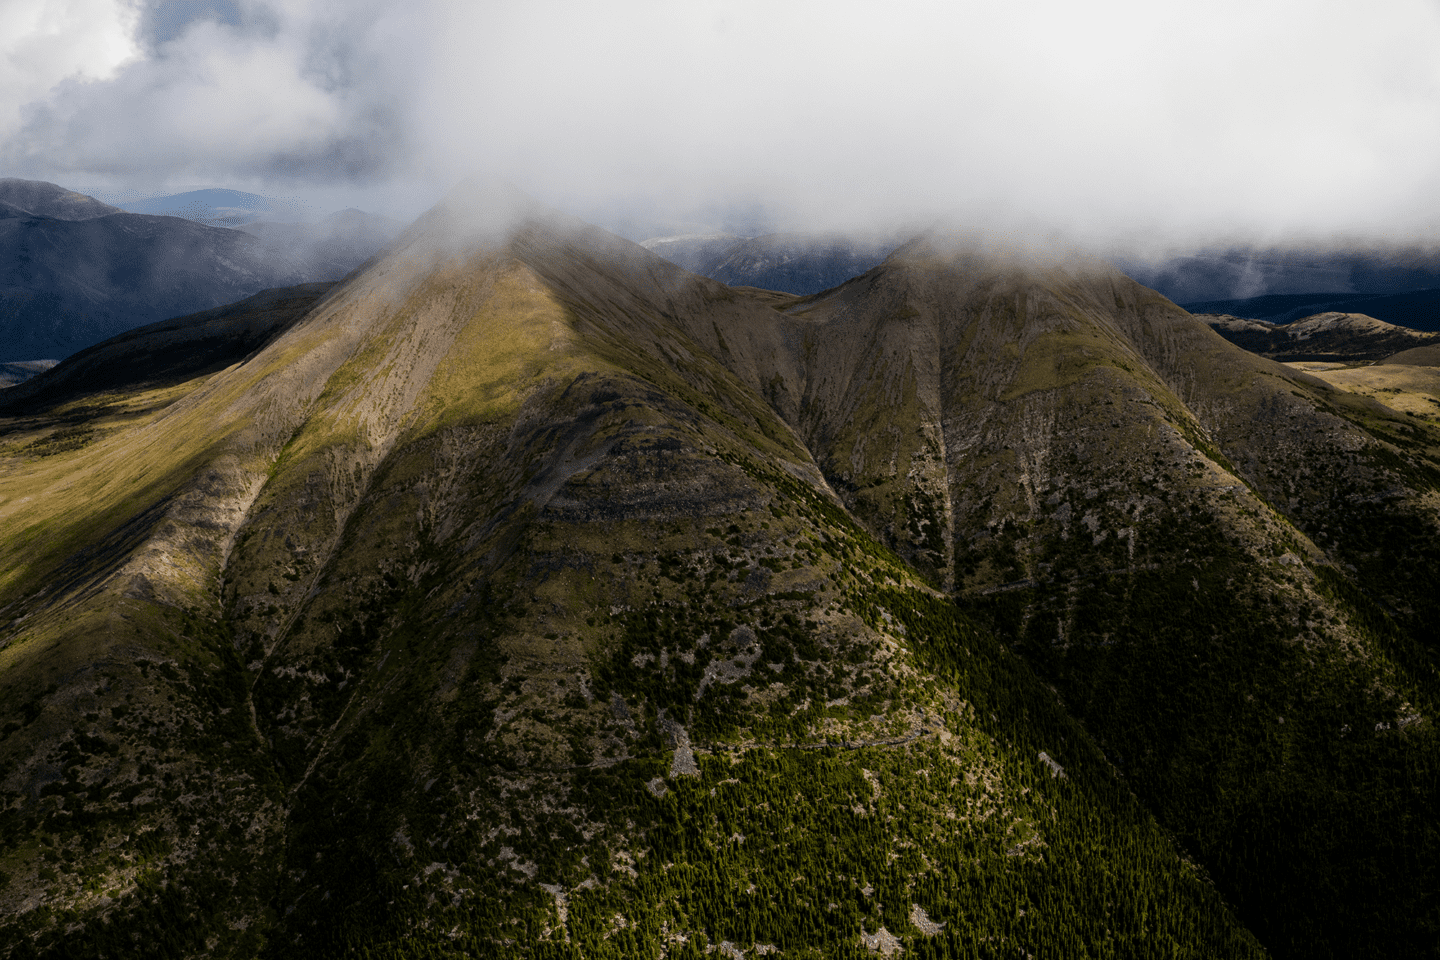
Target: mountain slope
[(1416, 310), (530, 593), (67, 284), (486, 606), (171, 351), (19, 372), (1408, 388), (1078, 456)]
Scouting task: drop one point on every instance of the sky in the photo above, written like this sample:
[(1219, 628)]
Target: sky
[(1113, 121)]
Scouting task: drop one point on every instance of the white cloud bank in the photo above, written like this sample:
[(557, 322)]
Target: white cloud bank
[(1110, 118), (44, 42)]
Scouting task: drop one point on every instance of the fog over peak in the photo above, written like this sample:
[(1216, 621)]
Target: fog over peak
[(1113, 123)]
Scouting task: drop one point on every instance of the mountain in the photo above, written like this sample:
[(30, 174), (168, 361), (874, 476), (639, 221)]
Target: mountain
[(66, 284), (529, 594), (1252, 273), (800, 263), (219, 207), (1417, 310), (333, 247), (171, 351), (38, 198), (1425, 356), (1335, 337), (1399, 285)]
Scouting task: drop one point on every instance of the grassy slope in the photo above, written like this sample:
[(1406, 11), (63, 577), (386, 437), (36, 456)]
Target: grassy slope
[(1410, 389)]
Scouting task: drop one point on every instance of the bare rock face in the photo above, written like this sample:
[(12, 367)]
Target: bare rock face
[(527, 591), (882, 941)]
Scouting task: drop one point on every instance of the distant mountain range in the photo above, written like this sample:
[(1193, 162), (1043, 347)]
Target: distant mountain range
[(1400, 285), (1417, 309), (1333, 337), (219, 207), (1248, 273), (170, 351), (800, 263), (74, 271), (43, 199)]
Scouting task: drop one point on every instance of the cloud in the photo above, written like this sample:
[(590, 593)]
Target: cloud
[(1112, 119), (43, 42), (301, 91), (1116, 117)]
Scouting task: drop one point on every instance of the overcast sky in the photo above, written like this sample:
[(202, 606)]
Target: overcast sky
[(1153, 121)]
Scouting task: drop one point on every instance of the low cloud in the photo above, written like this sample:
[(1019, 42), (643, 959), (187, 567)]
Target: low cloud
[(1112, 121)]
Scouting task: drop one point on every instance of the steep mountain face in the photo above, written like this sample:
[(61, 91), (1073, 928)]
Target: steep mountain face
[(530, 593), (67, 283), (1324, 337)]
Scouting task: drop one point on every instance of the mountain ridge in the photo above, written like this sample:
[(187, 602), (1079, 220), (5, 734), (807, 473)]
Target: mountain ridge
[(40, 198)]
